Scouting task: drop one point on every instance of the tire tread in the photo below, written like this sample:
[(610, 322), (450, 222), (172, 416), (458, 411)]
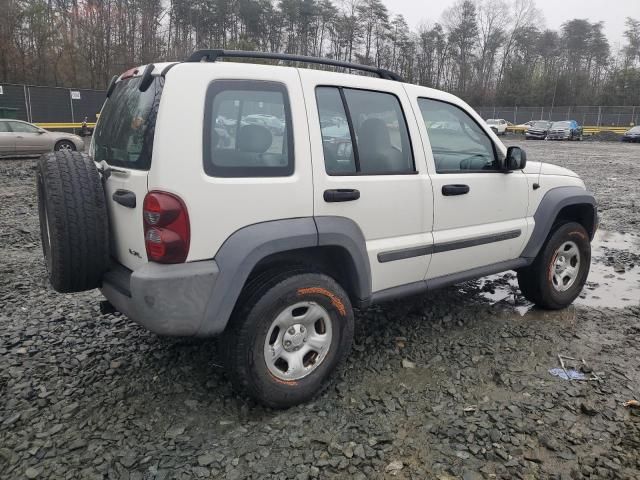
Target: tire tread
[(78, 220)]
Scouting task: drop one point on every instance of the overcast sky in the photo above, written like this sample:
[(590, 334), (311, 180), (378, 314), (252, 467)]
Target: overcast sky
[(612, 12)]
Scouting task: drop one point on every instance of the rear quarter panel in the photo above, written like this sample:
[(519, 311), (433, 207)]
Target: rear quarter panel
[(219, 206)]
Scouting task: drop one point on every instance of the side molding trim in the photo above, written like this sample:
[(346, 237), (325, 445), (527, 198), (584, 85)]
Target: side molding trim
[(417, 288), (474, 242), (422, 250), (404, 253)]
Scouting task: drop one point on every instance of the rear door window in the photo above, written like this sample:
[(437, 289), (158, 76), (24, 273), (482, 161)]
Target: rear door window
[(363, 132), (247, 130), (125, 130)]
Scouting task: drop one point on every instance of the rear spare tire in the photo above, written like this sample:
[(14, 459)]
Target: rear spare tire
[(74, 226)]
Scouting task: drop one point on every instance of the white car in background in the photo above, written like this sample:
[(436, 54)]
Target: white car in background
[(498, 125)]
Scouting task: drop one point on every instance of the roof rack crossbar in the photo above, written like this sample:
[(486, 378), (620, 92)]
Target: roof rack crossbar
[(214, 54)]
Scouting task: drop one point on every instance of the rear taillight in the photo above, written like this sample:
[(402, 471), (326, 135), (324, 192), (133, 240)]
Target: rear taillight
[(166, 228)]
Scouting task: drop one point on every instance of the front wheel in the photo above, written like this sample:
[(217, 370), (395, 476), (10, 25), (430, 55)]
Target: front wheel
[(558, 274), (289, 334)]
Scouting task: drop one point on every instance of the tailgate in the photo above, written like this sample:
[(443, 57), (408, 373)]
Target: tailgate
[(122, 146)]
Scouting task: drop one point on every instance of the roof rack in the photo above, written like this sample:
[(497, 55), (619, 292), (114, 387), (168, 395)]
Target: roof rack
[(213, 55)]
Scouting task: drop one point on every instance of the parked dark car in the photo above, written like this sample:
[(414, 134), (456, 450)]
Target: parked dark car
[(565, 130), (632, 135), (538, 130)]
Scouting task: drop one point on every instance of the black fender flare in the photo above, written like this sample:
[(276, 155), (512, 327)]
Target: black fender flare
[(345, 233), (246, 247), (550, 206)]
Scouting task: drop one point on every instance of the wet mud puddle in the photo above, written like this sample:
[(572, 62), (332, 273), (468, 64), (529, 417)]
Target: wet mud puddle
[(613, 282)]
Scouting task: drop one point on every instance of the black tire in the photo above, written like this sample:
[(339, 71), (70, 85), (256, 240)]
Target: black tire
[(243, 343), (536, 281), (65, 145), (73, 221)]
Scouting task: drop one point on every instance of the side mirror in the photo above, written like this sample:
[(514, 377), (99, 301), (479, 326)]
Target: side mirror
[(40, 132), (516, 159)]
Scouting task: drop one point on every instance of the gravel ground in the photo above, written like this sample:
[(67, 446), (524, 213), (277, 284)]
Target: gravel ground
[(455, 384)]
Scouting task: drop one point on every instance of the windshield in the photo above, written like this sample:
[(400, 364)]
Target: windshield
[(492, 121), (635, 130), (124, 134), (562, 125), (541, 125)]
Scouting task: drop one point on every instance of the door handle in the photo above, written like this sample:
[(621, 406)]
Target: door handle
[(126, 198), (450, 190), (341, 195)]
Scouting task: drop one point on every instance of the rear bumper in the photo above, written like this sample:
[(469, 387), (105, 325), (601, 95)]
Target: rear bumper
[(166, 299)]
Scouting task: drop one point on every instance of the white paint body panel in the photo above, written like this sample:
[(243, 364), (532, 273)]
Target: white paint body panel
[(496, 203), (219, 206), (394, 211), (125, 224)]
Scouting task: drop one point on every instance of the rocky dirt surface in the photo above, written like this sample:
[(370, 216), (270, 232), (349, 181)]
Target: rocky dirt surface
[(455, 384)]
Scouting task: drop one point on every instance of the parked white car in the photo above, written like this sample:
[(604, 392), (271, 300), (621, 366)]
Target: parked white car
[(498, 125), (374, 190)]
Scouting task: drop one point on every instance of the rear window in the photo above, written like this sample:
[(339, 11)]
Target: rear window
[(247, 130), (124, 134)]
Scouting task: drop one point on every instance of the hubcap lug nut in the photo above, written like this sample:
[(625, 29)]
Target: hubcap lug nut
[(292, 331)]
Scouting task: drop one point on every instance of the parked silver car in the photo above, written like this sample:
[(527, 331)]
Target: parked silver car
[(22, 138)]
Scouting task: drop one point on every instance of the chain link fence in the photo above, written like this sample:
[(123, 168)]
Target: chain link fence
[(49, 104), (37, 104), (587, 116)]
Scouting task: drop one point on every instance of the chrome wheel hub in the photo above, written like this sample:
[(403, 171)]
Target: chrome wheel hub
[(294, 338), (565, 266), (298, 341)]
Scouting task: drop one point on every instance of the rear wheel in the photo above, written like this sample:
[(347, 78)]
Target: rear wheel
[(65, 145), (558, 274), (290, 333)]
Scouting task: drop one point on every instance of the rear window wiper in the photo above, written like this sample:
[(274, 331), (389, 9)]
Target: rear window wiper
[(107, 170)]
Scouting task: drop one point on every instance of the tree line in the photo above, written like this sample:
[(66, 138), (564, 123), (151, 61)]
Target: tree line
[(489, 52)]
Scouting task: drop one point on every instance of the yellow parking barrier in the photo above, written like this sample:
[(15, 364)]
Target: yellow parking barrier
[(593, 130), (585, 130)]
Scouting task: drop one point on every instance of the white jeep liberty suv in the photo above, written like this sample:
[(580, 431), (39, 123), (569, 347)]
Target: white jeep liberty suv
[(262, 203)]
